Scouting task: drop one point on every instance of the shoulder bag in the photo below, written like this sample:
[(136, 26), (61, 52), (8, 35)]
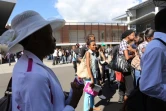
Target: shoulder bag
[(135, 63), (82, 70), (119, 63)]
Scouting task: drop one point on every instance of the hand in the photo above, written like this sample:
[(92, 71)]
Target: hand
[(66, 95), (129, 48), (107, 61), (92, 83), (143, 50), (77, 93)]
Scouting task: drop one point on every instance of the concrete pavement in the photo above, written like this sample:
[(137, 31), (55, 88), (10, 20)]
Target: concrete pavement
[(65, 74), (5, 68)]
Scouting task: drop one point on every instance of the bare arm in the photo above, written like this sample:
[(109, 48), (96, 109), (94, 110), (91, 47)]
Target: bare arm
[(88, 65), (102, 55), (127, 56), (131, 49)]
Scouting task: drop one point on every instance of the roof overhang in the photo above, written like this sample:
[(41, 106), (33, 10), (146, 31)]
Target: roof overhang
[(11, 1), (4, 47), (121, 17), (142, 19), (143, 4), (6, 8)]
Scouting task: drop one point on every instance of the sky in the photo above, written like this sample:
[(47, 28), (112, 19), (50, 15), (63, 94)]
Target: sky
[(76, 10)]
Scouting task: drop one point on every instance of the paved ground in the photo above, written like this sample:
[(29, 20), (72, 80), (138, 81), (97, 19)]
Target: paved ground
[(65, 74)]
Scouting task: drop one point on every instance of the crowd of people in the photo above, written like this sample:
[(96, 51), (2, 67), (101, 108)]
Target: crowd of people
[(61, 56), (136, 50), (35, 87), (9, 57)]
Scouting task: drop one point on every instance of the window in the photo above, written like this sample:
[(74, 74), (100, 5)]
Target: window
[(116, 35)]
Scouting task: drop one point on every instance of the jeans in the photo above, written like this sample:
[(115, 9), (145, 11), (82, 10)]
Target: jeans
[(64, 59), (137, 75), (88, 99), (60, 59)]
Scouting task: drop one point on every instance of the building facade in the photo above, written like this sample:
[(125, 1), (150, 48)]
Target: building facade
[(73, 33), (141, 16)]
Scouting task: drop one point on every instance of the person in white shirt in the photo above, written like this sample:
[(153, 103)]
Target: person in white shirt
[(55, 56), (60, 55), (35, 87), (148, 37)]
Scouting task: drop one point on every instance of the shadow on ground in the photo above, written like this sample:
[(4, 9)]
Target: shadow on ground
[(108, 91), (113, 106)]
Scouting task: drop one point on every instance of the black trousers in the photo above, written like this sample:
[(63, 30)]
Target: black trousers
[(129, 83), (105, 74), (154, 104), (75, 66), (55, 59), (121, 87)]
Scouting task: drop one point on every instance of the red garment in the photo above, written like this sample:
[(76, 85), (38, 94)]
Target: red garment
[(119, 76)]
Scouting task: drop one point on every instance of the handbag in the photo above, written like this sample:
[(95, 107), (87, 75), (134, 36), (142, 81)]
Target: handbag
[(6, 101), (119, 63), (135, 63), (92, 91), (82, 70)]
